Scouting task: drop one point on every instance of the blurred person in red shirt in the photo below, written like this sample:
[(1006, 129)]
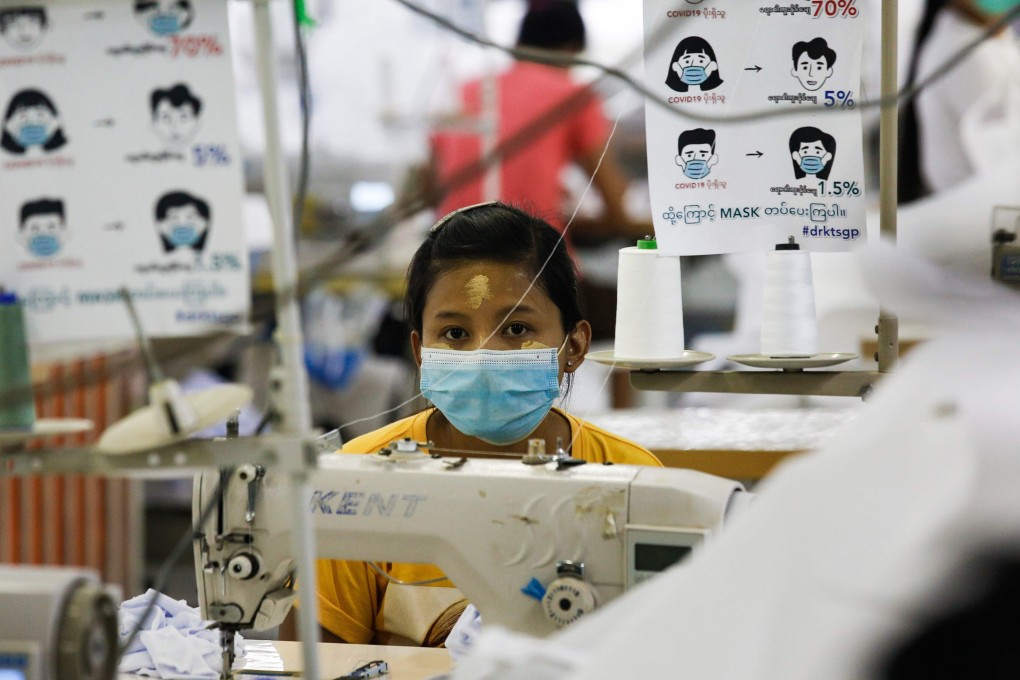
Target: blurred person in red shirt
[(546, 121)]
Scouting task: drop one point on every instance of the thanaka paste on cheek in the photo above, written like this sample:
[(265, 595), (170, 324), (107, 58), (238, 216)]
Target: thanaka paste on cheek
[(477, 290), (533, 344)]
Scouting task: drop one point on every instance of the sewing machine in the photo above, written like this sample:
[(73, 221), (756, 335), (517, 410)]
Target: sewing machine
[(534, 547), (56, 623)]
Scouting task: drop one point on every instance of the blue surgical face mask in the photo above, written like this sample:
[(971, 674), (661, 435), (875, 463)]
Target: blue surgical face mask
[(32, 134), (498, 396), (165, 23), (44, 245), (811, 164), (696, 169), (694, 75), (183, 234)]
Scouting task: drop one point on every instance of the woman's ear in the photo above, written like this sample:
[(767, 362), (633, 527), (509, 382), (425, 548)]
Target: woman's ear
[(578, 343), (416, 347)]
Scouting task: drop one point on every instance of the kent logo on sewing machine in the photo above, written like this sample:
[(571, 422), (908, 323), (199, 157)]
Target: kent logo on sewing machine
[(365, 503)]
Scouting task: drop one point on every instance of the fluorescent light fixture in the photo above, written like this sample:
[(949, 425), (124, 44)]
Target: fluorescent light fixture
[(371, 196)]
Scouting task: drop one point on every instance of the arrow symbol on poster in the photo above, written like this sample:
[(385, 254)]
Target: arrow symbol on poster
[(759, 154), (755, 68)]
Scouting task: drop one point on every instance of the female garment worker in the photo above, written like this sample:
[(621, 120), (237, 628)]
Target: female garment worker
[(490, 283)]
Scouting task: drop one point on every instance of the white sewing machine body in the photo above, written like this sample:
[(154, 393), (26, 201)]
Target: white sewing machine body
[(56, 622), (492, 526)]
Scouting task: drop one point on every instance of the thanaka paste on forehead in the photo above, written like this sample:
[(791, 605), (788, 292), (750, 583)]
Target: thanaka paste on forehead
[(477, 290)]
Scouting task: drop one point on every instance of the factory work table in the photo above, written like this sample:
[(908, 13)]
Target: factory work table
[(732, 443), (275, 659)]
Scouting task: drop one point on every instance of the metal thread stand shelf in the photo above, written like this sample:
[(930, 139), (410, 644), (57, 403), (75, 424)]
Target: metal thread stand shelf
[(790, 382), (821, 383)]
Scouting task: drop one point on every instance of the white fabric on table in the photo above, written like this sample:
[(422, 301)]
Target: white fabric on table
[(174, 641)]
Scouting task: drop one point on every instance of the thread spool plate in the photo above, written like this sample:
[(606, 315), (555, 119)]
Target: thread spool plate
[(47, 427), (792, 363), (689, 358), (140, 431)]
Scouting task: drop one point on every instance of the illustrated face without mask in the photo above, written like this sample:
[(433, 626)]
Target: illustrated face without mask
[(498, 396)]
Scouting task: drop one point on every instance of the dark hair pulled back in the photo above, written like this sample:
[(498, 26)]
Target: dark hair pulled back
[(495, 232)]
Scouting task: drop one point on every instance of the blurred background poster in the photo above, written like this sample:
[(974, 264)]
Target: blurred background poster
[(120, 166)]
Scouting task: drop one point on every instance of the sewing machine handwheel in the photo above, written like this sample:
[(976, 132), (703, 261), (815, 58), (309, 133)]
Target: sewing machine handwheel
[(568, 599)]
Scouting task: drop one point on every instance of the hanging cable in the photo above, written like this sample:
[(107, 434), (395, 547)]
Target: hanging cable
[(301, 21)]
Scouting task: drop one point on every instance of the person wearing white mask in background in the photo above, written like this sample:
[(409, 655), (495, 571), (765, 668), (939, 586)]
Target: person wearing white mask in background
[(472, 309), (969, 120)]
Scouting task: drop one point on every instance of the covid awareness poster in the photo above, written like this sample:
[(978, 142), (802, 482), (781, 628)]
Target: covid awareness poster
[(753, 128), (120, 168)]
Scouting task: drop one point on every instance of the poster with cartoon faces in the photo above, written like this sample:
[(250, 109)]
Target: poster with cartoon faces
[(750, 102), (129, 180)]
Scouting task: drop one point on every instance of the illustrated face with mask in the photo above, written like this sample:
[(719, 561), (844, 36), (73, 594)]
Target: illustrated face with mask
[(694, 68), (696, 160), (812, 157), (32, 126), (183, 226), (496, 389), (43, 234), (164, 17)]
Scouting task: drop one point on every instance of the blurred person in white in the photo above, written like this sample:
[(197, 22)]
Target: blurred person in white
[(968, 121)]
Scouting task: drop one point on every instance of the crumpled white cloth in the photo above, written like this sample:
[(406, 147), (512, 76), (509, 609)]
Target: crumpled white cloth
[(500, 653), (174, 641), (464, 633)]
